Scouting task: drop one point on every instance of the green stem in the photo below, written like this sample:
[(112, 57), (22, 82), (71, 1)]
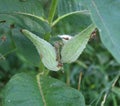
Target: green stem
[(79, 81), (43, 70), (52, 10), (67, 67)]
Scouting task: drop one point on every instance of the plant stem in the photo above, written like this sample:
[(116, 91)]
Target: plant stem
[(52, 10), (43, 70), (79, 81), (67, 67)]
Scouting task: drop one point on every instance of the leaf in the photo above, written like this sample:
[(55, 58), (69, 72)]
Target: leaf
[(45, 49), (27, 90), (74, 47), (25, 14), (72, 24), (6, 42), (106, 16), (69, 7), (15, 6)]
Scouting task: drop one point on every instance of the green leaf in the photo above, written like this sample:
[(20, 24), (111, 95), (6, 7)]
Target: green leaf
[(15, 6), (6, 41), (45, 49), (72, 24), (28, 90), (25, 14), (28, 14), (69, 7), (74, 47), (106, 15)]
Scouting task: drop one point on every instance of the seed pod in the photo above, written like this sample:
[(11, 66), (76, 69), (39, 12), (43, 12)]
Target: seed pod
[(74, 47), (45, 50)]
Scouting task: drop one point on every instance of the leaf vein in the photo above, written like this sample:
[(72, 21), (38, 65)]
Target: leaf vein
[(40, 88)]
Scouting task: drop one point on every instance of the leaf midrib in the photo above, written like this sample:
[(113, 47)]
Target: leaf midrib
[(25, 14), (68, 14), (40, 89)]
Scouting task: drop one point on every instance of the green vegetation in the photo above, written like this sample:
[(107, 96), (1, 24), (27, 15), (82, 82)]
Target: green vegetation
[(38, 69)]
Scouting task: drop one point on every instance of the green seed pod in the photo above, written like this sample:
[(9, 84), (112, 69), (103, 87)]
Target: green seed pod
[(74, 47), (45, 50)]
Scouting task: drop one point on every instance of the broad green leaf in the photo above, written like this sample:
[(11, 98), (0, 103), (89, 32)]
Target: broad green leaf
[(28, 21), (74, 47), (28, 14), (28, 90), (72, 24), (45, 49), (25, 14), (23, 6), (69, 7), (106, 15), (6, 41)]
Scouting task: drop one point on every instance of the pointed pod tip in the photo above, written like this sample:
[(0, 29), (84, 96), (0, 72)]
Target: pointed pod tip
[(22, 30), (28, 34)]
